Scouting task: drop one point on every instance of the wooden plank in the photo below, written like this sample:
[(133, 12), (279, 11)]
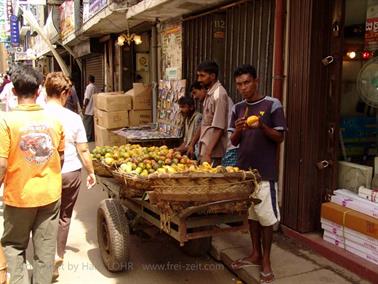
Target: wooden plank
[(211, 220), (234, 196), (215, 231)]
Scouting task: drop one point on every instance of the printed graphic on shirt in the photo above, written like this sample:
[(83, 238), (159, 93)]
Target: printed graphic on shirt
[(36, 143)]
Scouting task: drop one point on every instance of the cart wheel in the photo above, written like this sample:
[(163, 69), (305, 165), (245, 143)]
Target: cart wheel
[(113, 235), (197, 247)]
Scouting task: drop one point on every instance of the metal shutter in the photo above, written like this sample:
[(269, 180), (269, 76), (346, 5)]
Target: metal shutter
[(241, 33), (94, 65)]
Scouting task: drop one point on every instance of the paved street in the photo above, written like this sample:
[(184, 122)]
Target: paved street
[(153, 260)]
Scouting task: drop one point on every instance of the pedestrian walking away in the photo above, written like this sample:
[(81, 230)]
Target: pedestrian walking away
[(258, 126), (31, 156), (58, 89)]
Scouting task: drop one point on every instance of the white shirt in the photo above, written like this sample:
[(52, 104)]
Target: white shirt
[(74, 133), (42, 97), (90, 90), (8, 97)]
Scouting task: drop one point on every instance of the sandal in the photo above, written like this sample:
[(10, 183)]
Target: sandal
[(266, 277), (242, 263)]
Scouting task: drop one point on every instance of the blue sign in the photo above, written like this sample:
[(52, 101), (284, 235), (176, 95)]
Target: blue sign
[(14, 30)]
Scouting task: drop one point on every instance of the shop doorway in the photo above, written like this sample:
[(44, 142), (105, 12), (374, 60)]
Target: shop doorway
[(359, 97)]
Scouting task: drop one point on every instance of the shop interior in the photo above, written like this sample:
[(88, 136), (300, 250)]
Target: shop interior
[(359, 97)]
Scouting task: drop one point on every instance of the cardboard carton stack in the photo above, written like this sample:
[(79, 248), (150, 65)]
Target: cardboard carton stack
[(110, 113), (140, 112), (351, 222)]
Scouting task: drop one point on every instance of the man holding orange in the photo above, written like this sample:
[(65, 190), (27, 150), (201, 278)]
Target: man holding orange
[(258, 126)]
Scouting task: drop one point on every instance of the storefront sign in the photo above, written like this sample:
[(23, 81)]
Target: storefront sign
[(24, 55), (371, 32), (31, 2), (14, 31), (67, 18), (91, 7)]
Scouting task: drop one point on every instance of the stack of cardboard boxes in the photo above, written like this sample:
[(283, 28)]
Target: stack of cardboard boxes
[(110, 113), (141, 111), (118, 110)]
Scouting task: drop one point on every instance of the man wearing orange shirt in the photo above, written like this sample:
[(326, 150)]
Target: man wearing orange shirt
[(31, 156)]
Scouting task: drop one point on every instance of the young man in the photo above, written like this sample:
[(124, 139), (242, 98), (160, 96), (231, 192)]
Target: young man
[(58, 89), (88, 108), (258, 150), (31, 156), (213, 131), (192, 121)]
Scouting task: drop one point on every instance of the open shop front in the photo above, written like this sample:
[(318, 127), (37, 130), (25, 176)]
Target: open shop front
[(332, 192)]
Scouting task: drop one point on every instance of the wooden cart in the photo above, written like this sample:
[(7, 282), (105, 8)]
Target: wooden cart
[(117, 216)]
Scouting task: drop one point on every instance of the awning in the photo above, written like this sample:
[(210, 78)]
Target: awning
[(112, 19)]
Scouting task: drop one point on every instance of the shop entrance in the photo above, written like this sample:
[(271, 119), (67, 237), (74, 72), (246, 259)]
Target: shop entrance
[(359, 97), (332, 107)]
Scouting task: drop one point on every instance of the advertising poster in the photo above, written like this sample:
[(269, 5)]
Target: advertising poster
[(67, 18)]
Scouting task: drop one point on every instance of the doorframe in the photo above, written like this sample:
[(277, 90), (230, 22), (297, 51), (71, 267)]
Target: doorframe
[(308, 85)]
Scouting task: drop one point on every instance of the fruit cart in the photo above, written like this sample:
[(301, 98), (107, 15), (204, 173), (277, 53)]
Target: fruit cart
[(160, 187), (192, 227)]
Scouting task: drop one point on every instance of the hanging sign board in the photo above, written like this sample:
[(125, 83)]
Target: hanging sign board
[(14, 31), (371, 28)]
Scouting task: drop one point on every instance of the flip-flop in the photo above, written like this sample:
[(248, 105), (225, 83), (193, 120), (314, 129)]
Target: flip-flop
[(242, 263), (266, 277)]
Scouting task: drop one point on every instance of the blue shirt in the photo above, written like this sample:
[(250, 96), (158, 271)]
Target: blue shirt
[(256, 150)]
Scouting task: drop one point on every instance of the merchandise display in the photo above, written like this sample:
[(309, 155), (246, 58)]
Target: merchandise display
[(168, 112), (351, 200)]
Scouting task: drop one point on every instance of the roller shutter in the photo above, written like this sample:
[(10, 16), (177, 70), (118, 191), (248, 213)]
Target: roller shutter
[(94, 65)]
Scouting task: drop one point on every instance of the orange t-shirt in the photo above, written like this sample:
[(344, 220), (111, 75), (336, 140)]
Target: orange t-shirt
[(30, 140)]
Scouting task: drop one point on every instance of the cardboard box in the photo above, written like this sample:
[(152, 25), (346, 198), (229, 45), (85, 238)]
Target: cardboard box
[(140, 117), (141, 95), (112, 101), (111, 119), (350, 219), (105, 137)]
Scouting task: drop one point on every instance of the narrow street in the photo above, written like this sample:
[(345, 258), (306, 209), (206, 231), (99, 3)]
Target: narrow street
[(152, 260)]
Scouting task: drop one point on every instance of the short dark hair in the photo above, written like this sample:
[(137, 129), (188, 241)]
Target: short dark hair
[(91, 78), (245, 69), (196, 86), (210, 67), (186, 100), (26, 81)]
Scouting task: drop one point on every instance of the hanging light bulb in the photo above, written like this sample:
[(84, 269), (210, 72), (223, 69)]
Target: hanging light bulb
[(351, 54), (137, 39), (120, 40)]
